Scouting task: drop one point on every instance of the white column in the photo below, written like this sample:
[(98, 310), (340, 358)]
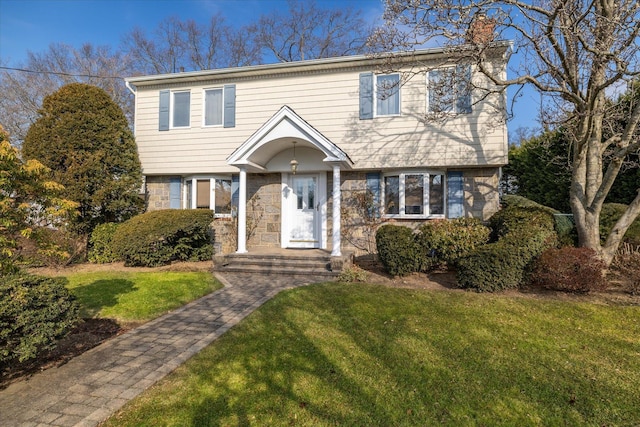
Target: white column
[(242, 212), (335, 250)]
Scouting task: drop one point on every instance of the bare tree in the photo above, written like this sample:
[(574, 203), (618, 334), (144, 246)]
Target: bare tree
[(309, 32), (24, 87), (574, 52), (186, 45)]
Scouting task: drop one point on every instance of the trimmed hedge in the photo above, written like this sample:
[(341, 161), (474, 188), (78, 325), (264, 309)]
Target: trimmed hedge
[(522, 234), (564, 226), (159, 237), (399, 250), (445, 241), (35, 312), (100, 248), (569, 269)]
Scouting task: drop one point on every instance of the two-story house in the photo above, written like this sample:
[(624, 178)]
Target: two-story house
[(283, 146)]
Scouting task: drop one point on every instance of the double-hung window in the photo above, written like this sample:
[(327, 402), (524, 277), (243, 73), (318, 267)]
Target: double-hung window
[(449, 90), (387, 90), (209, 193), (414, 194), (213, 107), (180, 109)]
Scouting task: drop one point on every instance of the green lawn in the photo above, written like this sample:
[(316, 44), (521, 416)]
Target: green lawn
[(366, 355), (137, 296)]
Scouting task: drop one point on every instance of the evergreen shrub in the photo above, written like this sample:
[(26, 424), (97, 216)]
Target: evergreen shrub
[(159, 237), (35, 312), (522, 235), (399, 250), (100, 248), (569, 269), (445, 241), (564, 226)]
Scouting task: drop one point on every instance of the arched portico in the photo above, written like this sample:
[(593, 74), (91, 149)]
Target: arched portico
[(304, 202)]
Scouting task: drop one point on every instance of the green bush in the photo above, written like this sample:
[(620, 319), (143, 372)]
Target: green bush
[(399, 250), (610, 214), (522, 235), (35, 311), (514, 219), (564, 225), (159, 237), (100, 250), (569, 269), (445, 241)]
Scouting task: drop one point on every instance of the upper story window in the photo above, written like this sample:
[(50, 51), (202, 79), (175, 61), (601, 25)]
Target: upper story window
[(413, 194), (213, 107), (387, 95), (180, 109), (218, 108), (209, 193), (379, 95), (449, 90)]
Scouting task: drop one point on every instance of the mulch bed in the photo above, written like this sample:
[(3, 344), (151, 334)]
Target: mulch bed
[(88, 334)]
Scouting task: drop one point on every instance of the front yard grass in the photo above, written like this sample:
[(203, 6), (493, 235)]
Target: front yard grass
[(133, 297), (354, 354)]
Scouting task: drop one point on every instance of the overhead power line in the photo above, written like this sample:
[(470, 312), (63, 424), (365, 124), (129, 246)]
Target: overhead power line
[(60, 73)]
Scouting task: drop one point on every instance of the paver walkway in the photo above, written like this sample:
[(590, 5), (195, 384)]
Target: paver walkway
[(91, 387)]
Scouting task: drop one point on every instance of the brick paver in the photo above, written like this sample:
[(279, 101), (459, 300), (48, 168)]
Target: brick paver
[(91, 387)]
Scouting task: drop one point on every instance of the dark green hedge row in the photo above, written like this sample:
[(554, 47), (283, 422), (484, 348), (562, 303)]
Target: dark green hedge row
[(446, 241), (437, 243), (519, 236), (35, 312), (159, 237)]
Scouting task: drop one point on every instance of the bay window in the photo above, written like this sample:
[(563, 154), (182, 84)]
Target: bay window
[(414, 194), (208, 193)]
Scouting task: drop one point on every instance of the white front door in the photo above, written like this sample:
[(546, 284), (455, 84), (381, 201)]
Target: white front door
[(304, 205)]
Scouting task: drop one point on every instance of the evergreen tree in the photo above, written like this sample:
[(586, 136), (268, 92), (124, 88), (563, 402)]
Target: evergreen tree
[(84, 138)]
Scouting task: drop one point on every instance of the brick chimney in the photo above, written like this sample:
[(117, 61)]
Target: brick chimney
[(481, 30)]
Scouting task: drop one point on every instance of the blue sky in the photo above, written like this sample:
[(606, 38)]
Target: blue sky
[(32, 25)]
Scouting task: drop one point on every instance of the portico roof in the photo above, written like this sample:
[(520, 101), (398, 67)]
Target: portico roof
[(278, 133)]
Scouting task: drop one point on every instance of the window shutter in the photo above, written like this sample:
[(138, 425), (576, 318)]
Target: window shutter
[(235, 192), (455, 195), (366, 96), (164, 110), (373, 186), (463, 101), (175, 183), (230, 106)]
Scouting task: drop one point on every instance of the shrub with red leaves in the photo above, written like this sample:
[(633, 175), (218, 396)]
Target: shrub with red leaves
[(569, 269)]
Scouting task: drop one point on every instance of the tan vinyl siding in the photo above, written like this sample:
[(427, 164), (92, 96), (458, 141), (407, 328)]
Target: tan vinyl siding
[(328, 101)]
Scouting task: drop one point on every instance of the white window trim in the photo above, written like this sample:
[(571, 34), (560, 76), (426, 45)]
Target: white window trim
[(454, 111), (375, 95), (192, 204), (425, 191), (172, 108), (204, 107)]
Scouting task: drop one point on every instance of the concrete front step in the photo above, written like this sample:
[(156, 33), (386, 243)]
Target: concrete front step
[(288, 263)]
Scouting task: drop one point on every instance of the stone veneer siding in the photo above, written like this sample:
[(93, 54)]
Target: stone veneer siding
[(264, 204), (157, 192)]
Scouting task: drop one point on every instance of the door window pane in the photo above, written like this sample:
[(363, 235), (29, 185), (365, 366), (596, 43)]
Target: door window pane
[(414, 194), (392, 195)]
